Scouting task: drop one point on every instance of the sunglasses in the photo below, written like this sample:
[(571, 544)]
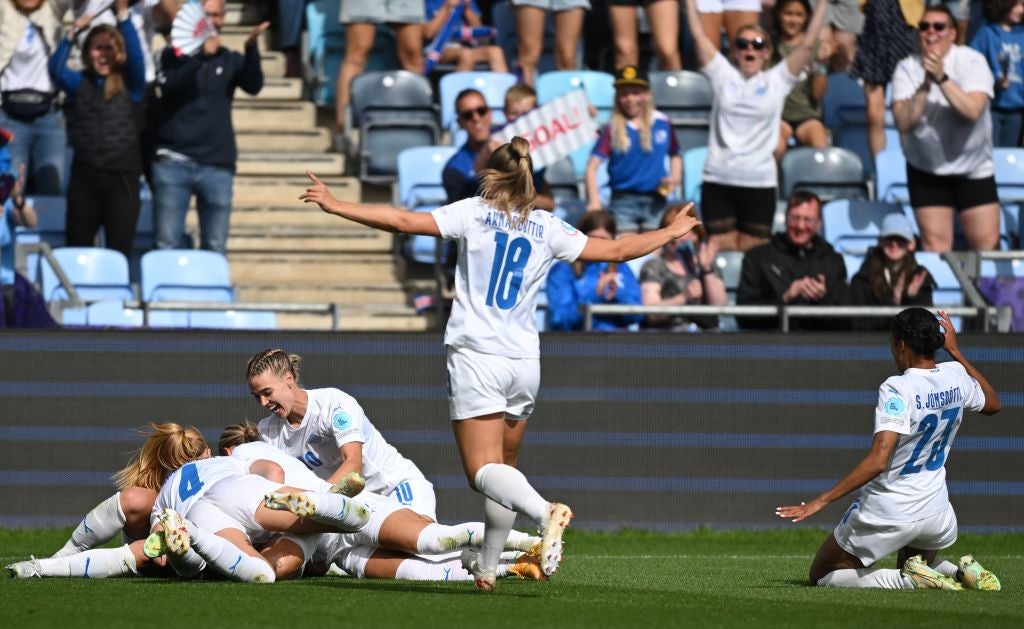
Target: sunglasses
[(468, 114), (938, 27), (895, 240), (756, 43)]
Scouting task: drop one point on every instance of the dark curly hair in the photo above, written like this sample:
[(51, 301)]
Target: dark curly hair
[(996, 11), (920, 330)]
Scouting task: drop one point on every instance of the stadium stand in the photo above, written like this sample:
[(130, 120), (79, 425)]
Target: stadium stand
[(492, 85), (852, 226), (831, 173), (685, 97), (186, 275)]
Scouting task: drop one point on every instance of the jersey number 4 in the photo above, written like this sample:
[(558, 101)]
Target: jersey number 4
[(510, 259), (938, 454), (189, 485)]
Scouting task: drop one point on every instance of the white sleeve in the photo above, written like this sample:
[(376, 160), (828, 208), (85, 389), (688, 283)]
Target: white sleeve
[(453, 220), (782, 79), (903, 83), (566, 241), (718, 71), (346, 420), (974, 73), (893, 410), (974, 397)]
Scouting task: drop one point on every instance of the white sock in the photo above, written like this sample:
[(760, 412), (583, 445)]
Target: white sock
[(348, 515), (508, 487), (98, 527), (228, 559), (98, 563), (441, 538), (188, 565), (947, 568), (886, 578), (422, 569), (499, 522)]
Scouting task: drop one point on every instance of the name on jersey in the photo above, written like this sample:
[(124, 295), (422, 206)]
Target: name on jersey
[(938, 399), (499, 220)]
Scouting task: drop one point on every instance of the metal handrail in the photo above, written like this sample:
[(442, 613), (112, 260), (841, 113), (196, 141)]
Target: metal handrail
[(44, 249), (334, 310)]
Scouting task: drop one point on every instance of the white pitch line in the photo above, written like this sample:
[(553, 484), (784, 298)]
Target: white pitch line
[(736, 557)]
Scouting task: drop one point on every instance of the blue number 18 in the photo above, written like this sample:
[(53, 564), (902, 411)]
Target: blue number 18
[(510, 259)]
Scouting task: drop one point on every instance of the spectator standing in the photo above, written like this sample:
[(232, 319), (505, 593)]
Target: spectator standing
[(1001, 39), (740, 173), (801, 114), (889, 31), (635, 143), (682, 272), (29, 31), (195, 141), (530, 18), (734, 15), (794, 268), (890, 275), (104, 118), (464, 56), (147, 16), (571, 285), (846, 22), (663, 18), (941, 108)]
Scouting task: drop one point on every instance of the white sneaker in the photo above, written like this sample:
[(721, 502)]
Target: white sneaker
[(298, 503), (25, 569), (175, 532), (483, 579), (559, 516)]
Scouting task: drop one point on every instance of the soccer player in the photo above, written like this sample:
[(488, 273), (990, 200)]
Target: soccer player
[(505, 249), (903, 504), (330, 433)]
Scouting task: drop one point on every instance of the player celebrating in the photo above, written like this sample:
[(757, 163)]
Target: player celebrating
[(505, 249), (903, 504)]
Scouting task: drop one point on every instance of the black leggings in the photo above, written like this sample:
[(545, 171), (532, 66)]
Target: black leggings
[(102, 198)]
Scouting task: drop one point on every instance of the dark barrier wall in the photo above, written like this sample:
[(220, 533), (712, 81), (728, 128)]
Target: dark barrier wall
[(651, 431)]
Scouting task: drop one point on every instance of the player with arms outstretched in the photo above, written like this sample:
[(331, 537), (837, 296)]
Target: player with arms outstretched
[(903, 504)]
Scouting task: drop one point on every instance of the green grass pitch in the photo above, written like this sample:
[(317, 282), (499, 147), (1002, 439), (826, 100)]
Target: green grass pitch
[(627, 579)]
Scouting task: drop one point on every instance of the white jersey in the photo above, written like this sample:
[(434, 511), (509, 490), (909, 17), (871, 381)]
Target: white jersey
[(295, 473), (925, 406), (334, 418), (500, 269), (190, 482)]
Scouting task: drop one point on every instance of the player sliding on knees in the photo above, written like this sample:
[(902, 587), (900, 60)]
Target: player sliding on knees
[(903, 504), (505, 249)]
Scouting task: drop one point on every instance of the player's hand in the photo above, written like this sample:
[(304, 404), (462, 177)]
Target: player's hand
[(685, 222), (317, 193), (800, 512), (950, 344)]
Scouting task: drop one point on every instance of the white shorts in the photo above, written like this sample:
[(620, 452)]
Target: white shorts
[(483, 384), (238, 499), (870, 539), (416, 494), (720, 6), (334, 547), (555, 6)]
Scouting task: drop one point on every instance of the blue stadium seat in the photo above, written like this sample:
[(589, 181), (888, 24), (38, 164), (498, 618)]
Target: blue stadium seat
[(96, 274), (891, 175), (562, 180), (853, 263), (693, 172), (1002, 268), (843, 101), (730, 265), (597, 85), (853, 226), (492, 85), (830, 173), (854, 137), (114, 314), (685, 97), (1011, 221), (419, 188), (186, 275), (1009, 167), (232, 319), (947, 291), (51, 212)]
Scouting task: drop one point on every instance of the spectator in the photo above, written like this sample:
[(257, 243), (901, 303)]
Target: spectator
[(571, 285), (941, 108), (103, 105), (735, 15), (195, 141), (361, 18), (20, 304), (1001, 39), (530, 18), (801, 114), (464, 55), (846, 23), (794, 268), (682, 272), (888, 37), (663, 17), (148, 16), (890, 275), (740, 174), (635, 142), (521, 99), (29, 30), (290, 20), (460, 173)]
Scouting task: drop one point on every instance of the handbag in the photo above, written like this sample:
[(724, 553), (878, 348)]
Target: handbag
[(27, 104)]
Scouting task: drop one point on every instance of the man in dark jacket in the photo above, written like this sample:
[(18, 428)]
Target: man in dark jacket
[(797, 268)]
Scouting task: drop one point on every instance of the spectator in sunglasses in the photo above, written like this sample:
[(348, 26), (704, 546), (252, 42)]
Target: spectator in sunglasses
[(740, 173), (1001, 39), (941, 108), (460, 173)]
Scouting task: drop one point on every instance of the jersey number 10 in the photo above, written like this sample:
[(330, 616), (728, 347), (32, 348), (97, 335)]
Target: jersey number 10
[(510, 259)]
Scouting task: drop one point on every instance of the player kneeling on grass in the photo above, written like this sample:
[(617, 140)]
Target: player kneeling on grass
[(903, 504)]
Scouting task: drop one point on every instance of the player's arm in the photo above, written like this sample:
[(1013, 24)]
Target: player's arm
[(377, 216), (636, 245), (877, 461), (992, 404), (351, 461)]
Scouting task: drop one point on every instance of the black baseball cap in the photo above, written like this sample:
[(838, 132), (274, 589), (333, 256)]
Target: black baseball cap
[(631, 75)]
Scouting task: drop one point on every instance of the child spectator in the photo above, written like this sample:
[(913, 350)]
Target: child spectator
[(520, 99), (801, 114), (635, 142), (465, 55), (1001, 38)]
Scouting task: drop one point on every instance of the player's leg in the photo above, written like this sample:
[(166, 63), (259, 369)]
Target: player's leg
[(285, 509), (228, 551), (97, 563), (98, 527)]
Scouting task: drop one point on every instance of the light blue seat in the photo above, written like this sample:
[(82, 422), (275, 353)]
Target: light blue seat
[(598, 86), (843, 100), (891, 175), (232, 319), (1011, 221), (111, 313), (492, 85), (855, 138), (730, 266), (853, 226), (685, 97), (693, 172), (830, 173), (95, 273), (947, 291), (1009, 167), (419, 188), (186, 275), (1002, 268), (51, 214), (853, 263)]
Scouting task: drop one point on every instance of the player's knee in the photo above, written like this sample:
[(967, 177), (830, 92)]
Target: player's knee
[(136, 503)]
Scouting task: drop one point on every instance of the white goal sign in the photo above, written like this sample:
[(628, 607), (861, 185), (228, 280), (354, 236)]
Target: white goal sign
[(554, 130)]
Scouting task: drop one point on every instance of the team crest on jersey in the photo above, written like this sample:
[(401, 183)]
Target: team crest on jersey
[(341, 420), (567, 228), (894, 406), (660, 136)]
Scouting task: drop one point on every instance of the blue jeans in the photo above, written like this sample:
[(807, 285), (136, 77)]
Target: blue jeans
[(1006, 127), (174, 182), (635, 212), (41, 145)]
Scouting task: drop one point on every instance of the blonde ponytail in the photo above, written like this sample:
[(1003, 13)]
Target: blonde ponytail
[(168, 447), (507, 183)]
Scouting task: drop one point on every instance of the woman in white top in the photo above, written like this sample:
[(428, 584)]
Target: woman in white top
[(940, 102), (329, 432), (903, 504), (505, 249), (738, 194)]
